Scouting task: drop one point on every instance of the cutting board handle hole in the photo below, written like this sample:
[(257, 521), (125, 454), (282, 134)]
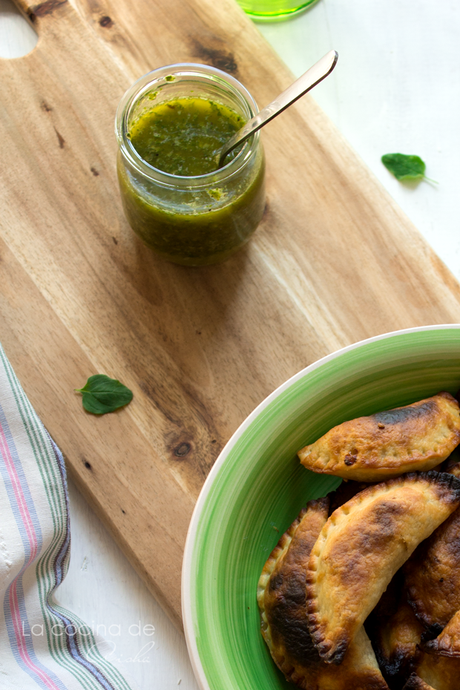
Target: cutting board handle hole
[(17, 36)]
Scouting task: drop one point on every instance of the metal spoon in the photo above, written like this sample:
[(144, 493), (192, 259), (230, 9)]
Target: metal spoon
[(305, 83)]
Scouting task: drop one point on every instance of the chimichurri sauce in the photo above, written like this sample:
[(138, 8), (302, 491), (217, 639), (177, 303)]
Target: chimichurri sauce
[(203, 215), (181, 136)]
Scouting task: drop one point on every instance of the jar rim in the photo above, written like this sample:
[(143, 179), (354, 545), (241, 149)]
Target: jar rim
[(178, 70)]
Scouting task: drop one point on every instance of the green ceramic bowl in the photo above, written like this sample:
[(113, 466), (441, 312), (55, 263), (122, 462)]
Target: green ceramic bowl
[(257, 487)]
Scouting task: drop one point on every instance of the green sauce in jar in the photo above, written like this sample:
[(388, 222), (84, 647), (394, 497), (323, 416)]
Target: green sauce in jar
[(181, 136), (173, 196)]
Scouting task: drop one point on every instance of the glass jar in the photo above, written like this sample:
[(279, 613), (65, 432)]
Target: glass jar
[(198, 220)]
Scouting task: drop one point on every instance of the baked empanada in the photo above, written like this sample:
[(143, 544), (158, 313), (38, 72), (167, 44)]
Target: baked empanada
[(388, 444), (432, 576), (438, 672), (416, 683), (281, 591), (448, 642), (362, 545), (452, 464), (395, 634), (281, 599)]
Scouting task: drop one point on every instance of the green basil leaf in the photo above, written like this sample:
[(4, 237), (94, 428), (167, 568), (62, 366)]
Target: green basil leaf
[(404, 167), (101, 394)]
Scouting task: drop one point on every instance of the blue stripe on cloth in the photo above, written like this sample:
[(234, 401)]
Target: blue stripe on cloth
[(25, 657), (45, 539), (70, 630)]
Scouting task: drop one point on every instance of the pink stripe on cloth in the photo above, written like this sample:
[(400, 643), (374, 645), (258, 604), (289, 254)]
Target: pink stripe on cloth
[(33, 542), (19, 494), (14, 606)]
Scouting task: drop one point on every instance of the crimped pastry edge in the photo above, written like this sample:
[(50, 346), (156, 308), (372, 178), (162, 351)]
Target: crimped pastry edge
[(441, 645), (293, 672), (441, 480), (433, 627), (412, 463)]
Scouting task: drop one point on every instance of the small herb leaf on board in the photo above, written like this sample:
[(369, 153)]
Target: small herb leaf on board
[(404, 167), (101, 394)]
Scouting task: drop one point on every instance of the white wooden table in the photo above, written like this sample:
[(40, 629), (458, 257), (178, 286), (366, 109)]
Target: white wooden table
[(396, 89)]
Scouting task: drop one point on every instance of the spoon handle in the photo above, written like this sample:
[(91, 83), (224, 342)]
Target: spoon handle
[(301, 86)]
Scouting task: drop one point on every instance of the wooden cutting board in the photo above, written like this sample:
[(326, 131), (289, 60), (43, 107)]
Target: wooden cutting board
[(333, 262)]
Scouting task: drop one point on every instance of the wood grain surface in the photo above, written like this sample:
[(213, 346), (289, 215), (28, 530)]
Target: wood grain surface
[(333, 262)]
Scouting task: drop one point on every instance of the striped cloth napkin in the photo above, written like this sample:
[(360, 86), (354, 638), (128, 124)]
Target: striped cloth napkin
[(41, 644)]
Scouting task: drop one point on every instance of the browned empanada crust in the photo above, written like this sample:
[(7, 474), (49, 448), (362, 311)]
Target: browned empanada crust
[(358, 671), (281, 590), (281, 599), (448, 642), (438, 672), (416, 683), (432, 576), (395, 633), (362, 545), (387, 444)]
